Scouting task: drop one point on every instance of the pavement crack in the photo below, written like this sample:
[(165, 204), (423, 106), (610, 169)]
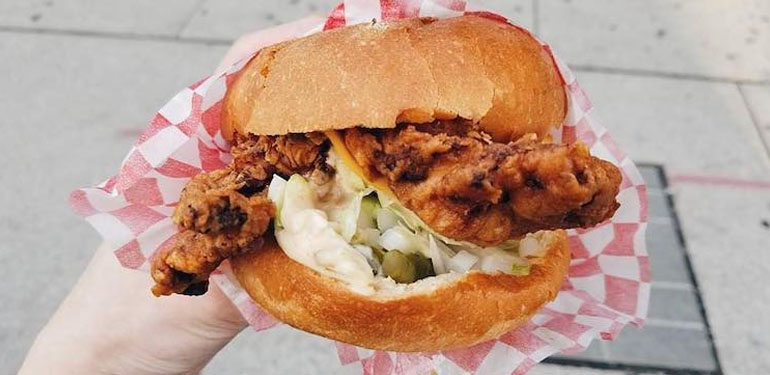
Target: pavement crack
[(114, 35), (755, 120), (664, 74), (193, 12)]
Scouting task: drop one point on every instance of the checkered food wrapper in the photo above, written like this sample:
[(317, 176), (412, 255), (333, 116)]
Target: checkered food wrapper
[(608, 281)]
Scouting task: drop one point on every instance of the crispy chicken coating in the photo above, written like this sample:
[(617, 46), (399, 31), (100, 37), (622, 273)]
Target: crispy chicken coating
[(185, 266), (469, 188), (449, 173), (224, 213)]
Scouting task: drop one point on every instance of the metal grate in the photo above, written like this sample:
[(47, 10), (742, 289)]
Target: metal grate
[(676, 338)]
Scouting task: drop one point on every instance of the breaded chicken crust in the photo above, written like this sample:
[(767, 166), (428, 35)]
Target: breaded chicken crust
[(225, 212), (469, 188), (450, 173)]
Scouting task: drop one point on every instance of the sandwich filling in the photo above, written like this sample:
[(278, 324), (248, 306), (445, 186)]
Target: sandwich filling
[(387, 209), (351, 231)]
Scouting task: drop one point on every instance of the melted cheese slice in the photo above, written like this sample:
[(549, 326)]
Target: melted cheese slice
[(379, 183)]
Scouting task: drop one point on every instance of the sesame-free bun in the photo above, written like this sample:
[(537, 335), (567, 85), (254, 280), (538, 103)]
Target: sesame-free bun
[(377, 75), (438, 313)]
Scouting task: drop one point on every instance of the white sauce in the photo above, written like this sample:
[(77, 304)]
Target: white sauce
[(315, 229), (308, 238)]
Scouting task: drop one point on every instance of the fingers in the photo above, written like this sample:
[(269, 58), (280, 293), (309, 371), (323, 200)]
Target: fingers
[(111, 311), (252, 42)]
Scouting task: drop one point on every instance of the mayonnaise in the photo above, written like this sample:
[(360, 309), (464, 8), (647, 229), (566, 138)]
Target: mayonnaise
[(308, 238), (313, 230)]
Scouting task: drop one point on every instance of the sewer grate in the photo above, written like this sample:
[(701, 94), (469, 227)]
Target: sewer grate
[(676, 338)]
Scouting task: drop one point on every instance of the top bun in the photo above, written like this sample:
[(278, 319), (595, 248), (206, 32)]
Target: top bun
[(377, 75)]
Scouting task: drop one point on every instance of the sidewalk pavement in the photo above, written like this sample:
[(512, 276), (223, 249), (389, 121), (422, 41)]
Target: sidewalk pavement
[(685, 85)]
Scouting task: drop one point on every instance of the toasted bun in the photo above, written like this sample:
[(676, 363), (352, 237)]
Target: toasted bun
[(459, 312), (413, 70)]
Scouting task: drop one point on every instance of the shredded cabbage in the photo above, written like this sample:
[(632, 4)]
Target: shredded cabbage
[(400, 238), (502, 262), (494, 259), (386, 219), (347, 201), (367, 236), (436, 256), (414, 222), (510, 245), (530, 247), (462, 262), (343, 228)]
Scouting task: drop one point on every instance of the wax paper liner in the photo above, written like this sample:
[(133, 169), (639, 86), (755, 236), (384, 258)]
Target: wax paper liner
[(608, 283)]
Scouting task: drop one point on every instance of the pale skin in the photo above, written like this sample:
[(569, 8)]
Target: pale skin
[(110, 323)]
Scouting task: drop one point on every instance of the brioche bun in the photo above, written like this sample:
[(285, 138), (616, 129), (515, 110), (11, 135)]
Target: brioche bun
[(452, 312), (414, 70)]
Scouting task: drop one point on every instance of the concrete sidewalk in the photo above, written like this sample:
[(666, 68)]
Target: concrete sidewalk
[(682, 85)]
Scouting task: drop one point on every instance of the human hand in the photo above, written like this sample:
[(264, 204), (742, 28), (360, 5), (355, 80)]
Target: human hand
[(110, 323)]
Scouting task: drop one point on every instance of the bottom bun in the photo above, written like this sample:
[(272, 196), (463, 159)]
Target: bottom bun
[(458, 313)]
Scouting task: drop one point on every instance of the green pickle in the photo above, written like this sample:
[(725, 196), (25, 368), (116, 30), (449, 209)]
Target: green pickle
[(406, 268), (399, 267), (423, 266)]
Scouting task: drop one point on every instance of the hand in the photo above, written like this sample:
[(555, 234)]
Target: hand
[(110, 323)]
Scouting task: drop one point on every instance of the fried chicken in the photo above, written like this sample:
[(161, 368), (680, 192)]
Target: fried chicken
[(225, 212), (467, 187), (449, 173)]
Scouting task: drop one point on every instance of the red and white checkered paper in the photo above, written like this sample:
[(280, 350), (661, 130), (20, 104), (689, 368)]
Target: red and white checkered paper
[(608, 283)]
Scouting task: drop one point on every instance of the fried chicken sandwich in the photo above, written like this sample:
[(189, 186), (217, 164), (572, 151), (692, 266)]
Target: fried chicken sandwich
[(393, 185)]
